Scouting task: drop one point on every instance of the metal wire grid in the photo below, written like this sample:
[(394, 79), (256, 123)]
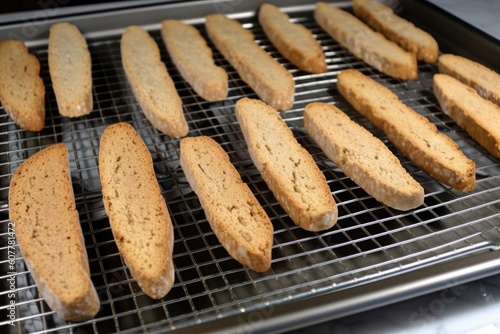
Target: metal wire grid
[(370, 241)]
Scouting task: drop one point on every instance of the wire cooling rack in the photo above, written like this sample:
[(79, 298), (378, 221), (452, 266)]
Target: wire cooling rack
[(370, 241)]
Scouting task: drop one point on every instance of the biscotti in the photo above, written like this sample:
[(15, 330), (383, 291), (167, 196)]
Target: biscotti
[(362, 157), (236, 217), (409, 131), (287, 168), (136, 209), (193, 58), (292, 40), (70, 70), (484, 80), (265, 75), (372, 47), (404, 33), (479, 117), (23, 94), (152, 85), (43, 211)]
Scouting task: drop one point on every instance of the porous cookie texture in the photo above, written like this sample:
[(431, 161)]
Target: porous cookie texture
[(362, 157), (370, 46), (151, 83), (409, 131), (288, 169), (70, 68), (236, 217), (22, 91), (43, 211), (194, 60), (265, 75), (294, 41), (136, 209)]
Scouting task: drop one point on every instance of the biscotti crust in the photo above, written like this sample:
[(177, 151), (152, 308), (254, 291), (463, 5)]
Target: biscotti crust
[(484, 80), (479, 117), (404, 33), (409, 131), (236, 217), (43, 211), (362, 157), (152, 85), (286, 167), (292, 40), (23, 95), (265, 75), (70, 68), (136, 209), (366, 44), (193, 58)]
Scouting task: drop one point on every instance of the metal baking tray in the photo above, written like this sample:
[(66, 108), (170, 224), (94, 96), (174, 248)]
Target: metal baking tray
[(374, 256)]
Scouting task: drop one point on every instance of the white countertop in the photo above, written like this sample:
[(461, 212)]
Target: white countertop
[(482, 14)]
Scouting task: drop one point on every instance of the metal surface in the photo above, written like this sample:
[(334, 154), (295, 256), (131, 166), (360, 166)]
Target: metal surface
[(354, 265)]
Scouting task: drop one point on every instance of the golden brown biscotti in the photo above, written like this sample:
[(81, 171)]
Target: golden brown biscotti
[(193, 58), (362, 157), (479, 117), (236, 217), (265, 75), (70, 68), (136, 209), (43, 211), (292, 40), (404, 33), (409, 131), (22, 92), (287, 168), (484, 80), (372, 47), (152, 85)]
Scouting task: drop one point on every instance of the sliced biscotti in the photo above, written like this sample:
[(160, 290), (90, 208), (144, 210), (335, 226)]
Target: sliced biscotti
[(43, 211), (292, 40), (193, 58), (372, 47), (382, 19), (70, 68), (266, 76), (236, 217), (479, 117), (484, 80), (136, 209), (22, 92), (287, 168), (152, 85), (409, 131), (362, 157)]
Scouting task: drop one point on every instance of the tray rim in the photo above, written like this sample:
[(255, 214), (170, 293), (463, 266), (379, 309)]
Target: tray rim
[(342, 302)]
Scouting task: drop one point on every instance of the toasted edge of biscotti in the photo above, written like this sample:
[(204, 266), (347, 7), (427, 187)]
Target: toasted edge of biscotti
[(136, 209), (404, 33), (23, 93), (287, 168), (483, 79), (151, 83), (236, 217), (265, 75), (43, 210), (294, 41), (479, 117), (412, 133), (70, 68), (362, 157), (193, 58), (370, 46)]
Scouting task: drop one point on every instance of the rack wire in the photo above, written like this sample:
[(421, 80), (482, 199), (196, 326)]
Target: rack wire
[(370, 241)]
